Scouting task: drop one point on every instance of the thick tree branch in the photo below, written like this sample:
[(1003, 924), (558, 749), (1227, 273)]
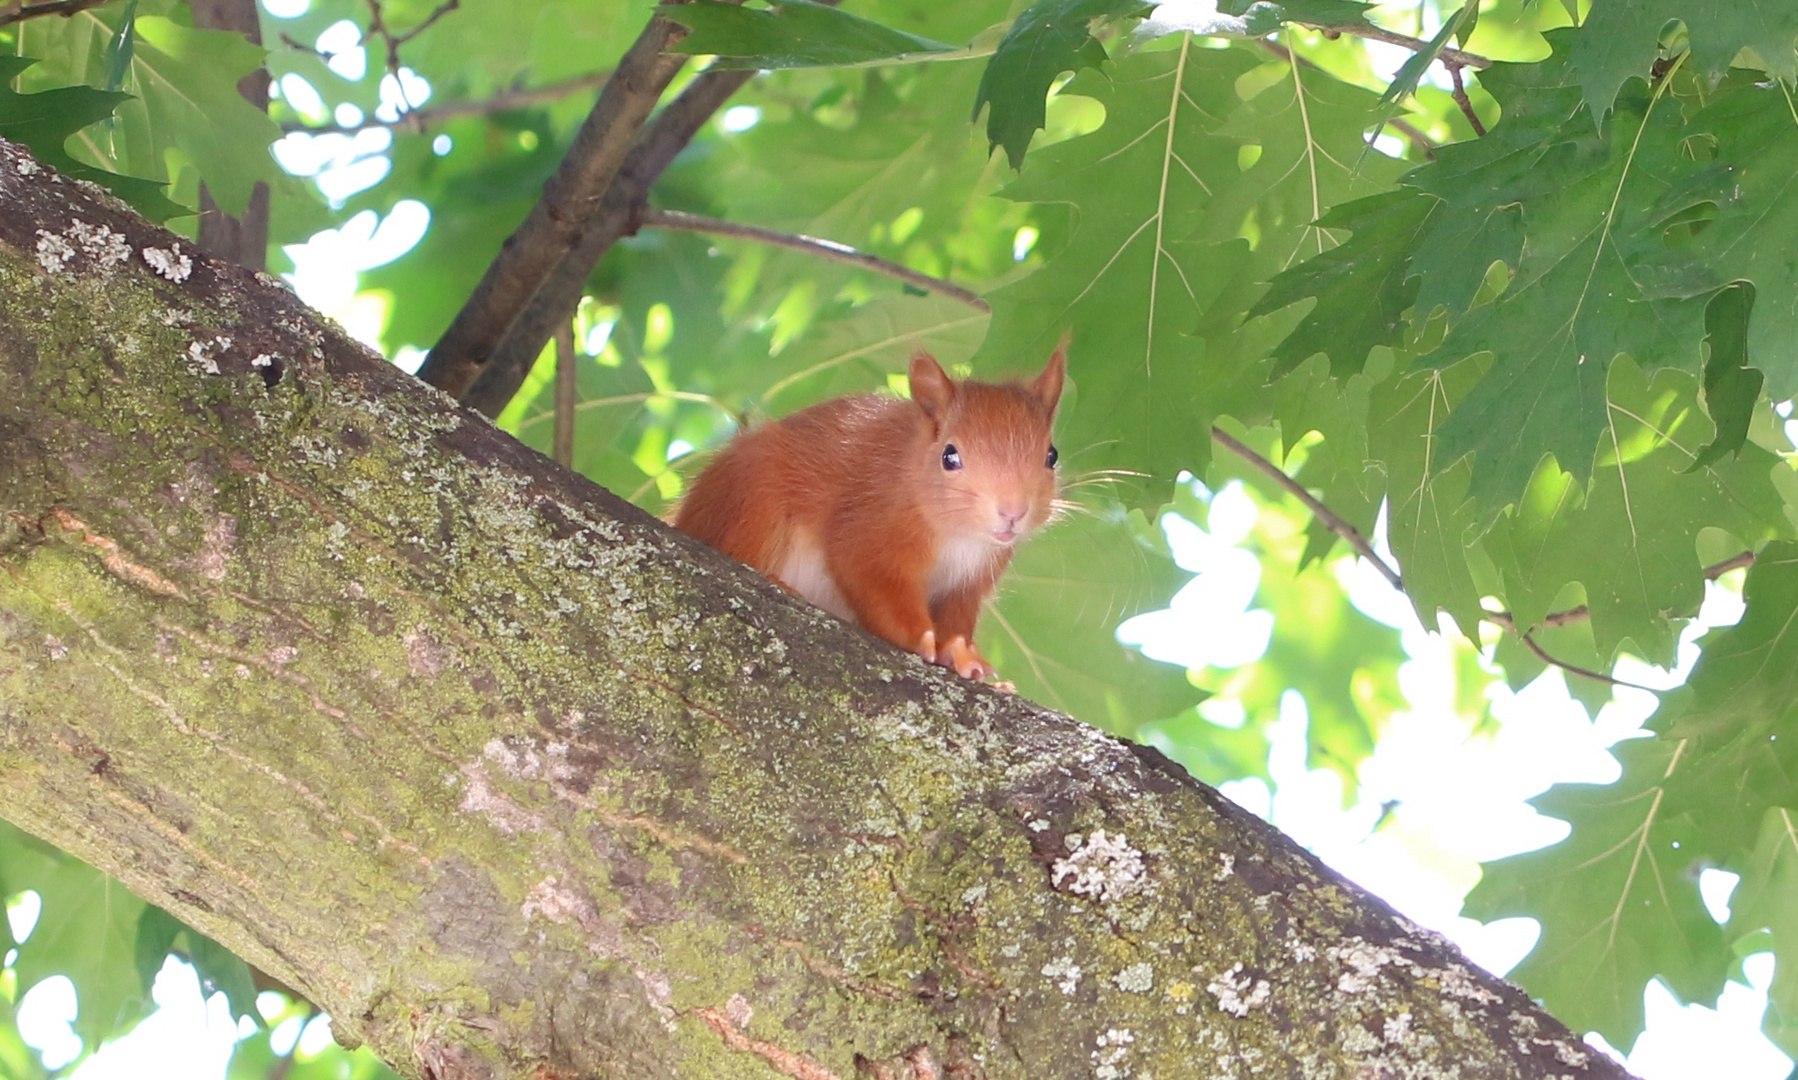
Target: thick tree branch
[(659, 143), (517, 782), (18, 11), (811, 245), (560, 218)]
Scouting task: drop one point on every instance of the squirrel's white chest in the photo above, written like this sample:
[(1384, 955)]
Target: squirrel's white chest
[(959, 561), (806, 573)]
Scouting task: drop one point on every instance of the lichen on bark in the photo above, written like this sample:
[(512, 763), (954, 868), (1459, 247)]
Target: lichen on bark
[(515, 781)]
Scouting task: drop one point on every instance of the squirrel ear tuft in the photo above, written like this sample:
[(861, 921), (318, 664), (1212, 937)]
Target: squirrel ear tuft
[(1047, 386), (931, 387)]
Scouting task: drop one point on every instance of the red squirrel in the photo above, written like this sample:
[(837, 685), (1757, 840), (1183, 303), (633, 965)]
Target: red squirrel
[(896, 515)]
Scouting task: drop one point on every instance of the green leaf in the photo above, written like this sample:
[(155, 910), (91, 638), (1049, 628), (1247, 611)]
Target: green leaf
[(45, 122), (1749, 672), (156, 934), (221, 971), (1621, 40), (1336, 14), (1644, 508), (188, 123), (1731, 387), (121, 48), (188, 82), (1767, 899), (1411, 72), (1740, 154), (1134, 278), (790, 33), (1157, 272), (1363, 287), (1431, 522), (1050, 37), (1618, 900), (1574, 303), (88, 932), (1052, 629)]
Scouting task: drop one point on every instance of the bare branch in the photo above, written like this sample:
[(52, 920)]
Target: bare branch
[(1560, 618), (554, 303), (1734, 562), (18, 11), (1330, 518), (377, 27), (556, 224), (505, 101), (1452, 58), (1461, 99), (562, 437), (811, 245), (1582, 613)]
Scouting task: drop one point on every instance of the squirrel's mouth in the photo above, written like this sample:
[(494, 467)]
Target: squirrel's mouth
[(1005, 536)]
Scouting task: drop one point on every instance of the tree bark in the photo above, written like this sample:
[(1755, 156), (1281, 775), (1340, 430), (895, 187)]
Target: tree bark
[(517, 782)]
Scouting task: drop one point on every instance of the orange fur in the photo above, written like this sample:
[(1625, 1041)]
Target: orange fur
[(848, 503)]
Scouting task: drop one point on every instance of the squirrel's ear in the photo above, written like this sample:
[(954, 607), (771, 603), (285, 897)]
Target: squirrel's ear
[(1047, 386), (931, 387)]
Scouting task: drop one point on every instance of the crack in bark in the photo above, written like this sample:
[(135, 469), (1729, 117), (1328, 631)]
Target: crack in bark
[(784, 1061), (944, 928), (113, 557), (672, 838), (822, 967)]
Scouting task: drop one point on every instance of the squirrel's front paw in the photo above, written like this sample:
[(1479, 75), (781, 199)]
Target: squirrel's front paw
[(960, 654)]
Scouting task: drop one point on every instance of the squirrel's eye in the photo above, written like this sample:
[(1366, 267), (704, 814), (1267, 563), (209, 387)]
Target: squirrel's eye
[(1053, 456), (951, 458)]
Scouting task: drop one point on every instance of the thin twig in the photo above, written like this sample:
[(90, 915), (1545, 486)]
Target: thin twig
[(1454, 73), (1582, 613), (812, 245), (1502, 619), (377, 27), (1415, 135), (560, 218), (1734, 562), (1330, 518), (1449, 56), (562, 436), (19, 11), (1574, 669), (504, 101)]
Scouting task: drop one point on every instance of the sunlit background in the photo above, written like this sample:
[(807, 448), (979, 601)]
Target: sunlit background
[(1442, 791)]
